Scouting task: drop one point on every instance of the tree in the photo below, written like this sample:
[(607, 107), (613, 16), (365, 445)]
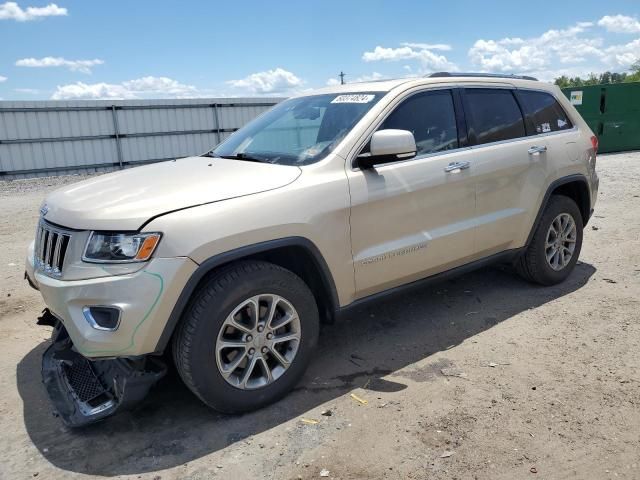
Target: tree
[(618, 77), (601, 79), (576, 82), (635, 72), (592, 80), (563, 81), (605, 78)]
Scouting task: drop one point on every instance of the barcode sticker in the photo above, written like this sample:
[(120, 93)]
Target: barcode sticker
[(353, 98)]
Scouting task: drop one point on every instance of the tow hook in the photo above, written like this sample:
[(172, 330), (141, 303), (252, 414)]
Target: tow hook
[(47, 318)]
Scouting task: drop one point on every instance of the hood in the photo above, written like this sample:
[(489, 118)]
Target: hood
[(126, 199)]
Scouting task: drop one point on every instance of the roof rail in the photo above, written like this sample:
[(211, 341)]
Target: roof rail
[(479, 74)]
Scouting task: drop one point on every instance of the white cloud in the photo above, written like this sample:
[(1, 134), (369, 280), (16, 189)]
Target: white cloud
[(492, 55), (94, 91), (13, 11), (538, 53), (623, 55), (372, 77), (620, 24), (553, 72), (577, 50), (3, 79), (427, 46), (369, 78), (145, 87), (159, 85), (28, 91), (83, 66), (277, 80), (412, 51)]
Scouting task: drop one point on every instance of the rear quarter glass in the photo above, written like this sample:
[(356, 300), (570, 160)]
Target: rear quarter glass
[(543, 112)]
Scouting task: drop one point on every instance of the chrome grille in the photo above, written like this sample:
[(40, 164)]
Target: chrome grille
[(50, 249)]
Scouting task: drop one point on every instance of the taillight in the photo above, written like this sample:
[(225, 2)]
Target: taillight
[(594, 143)]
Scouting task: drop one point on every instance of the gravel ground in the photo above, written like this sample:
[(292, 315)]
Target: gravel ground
[(480, 377)]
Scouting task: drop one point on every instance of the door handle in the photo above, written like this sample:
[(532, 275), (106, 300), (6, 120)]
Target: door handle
[(457, 166), (533, 150)]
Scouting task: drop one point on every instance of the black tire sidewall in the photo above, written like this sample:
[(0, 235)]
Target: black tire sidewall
[(211, 311), (558, 204)]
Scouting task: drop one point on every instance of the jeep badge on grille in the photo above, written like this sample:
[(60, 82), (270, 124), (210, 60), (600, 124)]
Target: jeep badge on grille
[(44, 209)]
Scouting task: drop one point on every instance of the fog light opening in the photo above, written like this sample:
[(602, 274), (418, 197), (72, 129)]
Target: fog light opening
[(102, 317)]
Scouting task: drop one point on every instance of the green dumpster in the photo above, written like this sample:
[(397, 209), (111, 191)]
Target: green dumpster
[(613, 113)]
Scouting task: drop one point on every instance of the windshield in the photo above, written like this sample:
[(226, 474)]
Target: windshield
[(299, 131)]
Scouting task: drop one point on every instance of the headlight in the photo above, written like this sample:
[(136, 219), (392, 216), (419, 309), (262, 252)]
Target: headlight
[(120, 247)]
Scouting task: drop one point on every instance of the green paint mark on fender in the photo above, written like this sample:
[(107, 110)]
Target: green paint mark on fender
[(137, 327)]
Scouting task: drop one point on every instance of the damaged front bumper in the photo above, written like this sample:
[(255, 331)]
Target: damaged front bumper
[(85, 391)]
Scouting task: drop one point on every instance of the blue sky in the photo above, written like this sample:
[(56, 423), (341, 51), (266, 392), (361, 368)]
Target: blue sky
[(159, 49)]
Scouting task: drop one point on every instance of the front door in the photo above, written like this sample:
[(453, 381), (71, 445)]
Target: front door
[(414, 218)]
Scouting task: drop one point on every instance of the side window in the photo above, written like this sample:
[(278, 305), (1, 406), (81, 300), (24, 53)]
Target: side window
[(544, 113), (493, 115), (431, 118)]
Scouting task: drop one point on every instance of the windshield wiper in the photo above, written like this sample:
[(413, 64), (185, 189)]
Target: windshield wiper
[(241, 156)]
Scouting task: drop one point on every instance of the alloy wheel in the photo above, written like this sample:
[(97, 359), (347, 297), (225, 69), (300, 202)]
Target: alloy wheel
[(560, 242), (258, 341)]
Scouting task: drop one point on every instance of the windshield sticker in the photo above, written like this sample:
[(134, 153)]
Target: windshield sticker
[(353, 98), (546, 128), (561, 123)]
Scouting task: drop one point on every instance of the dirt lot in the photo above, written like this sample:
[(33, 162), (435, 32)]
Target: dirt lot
[(484, 376)]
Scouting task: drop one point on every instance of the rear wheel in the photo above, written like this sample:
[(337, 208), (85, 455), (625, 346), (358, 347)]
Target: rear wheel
[(556, 243), (247, 337)]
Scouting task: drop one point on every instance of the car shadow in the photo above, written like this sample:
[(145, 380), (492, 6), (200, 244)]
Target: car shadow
[(172, 427)]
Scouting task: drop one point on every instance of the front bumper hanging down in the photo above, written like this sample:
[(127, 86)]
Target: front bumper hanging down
[(85, 391)]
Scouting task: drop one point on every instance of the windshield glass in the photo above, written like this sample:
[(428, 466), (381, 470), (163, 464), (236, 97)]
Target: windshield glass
[(299, 131)]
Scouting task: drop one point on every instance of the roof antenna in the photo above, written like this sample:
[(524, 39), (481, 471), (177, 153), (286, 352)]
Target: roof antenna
[(342, 75)]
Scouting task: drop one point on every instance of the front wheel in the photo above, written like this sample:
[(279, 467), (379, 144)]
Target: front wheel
[(556, 243), (247, 337)]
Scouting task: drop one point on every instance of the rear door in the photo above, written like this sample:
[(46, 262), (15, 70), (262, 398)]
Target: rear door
[(509, 173), (547, 121)]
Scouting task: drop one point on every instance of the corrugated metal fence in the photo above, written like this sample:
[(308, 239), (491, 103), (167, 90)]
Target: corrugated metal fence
[(52, 137)]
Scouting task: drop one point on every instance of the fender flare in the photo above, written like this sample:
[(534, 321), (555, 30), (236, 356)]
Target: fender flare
[(216, 261), (578, 177)]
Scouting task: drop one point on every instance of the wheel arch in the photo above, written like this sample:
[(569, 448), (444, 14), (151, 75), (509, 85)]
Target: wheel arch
[(575, 187), (297, 254)]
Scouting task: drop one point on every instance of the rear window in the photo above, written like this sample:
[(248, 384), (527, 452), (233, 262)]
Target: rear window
[(493, 115), (544, 113)]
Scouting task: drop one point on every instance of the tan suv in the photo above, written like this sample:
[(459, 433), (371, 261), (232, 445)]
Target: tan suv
[(231, 259)]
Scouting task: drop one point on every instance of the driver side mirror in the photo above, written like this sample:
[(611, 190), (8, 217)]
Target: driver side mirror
[(388, 146)]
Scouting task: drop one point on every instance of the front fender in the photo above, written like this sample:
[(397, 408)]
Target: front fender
[(248, 251)]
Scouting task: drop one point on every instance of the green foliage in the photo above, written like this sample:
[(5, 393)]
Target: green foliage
[(603, 78), (635, 73)]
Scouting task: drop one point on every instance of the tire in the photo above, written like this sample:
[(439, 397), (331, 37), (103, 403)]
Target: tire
[(533, 264), (206, 325)]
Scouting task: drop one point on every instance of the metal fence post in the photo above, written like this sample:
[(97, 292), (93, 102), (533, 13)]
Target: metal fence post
[(215, 113), (117, 134)]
